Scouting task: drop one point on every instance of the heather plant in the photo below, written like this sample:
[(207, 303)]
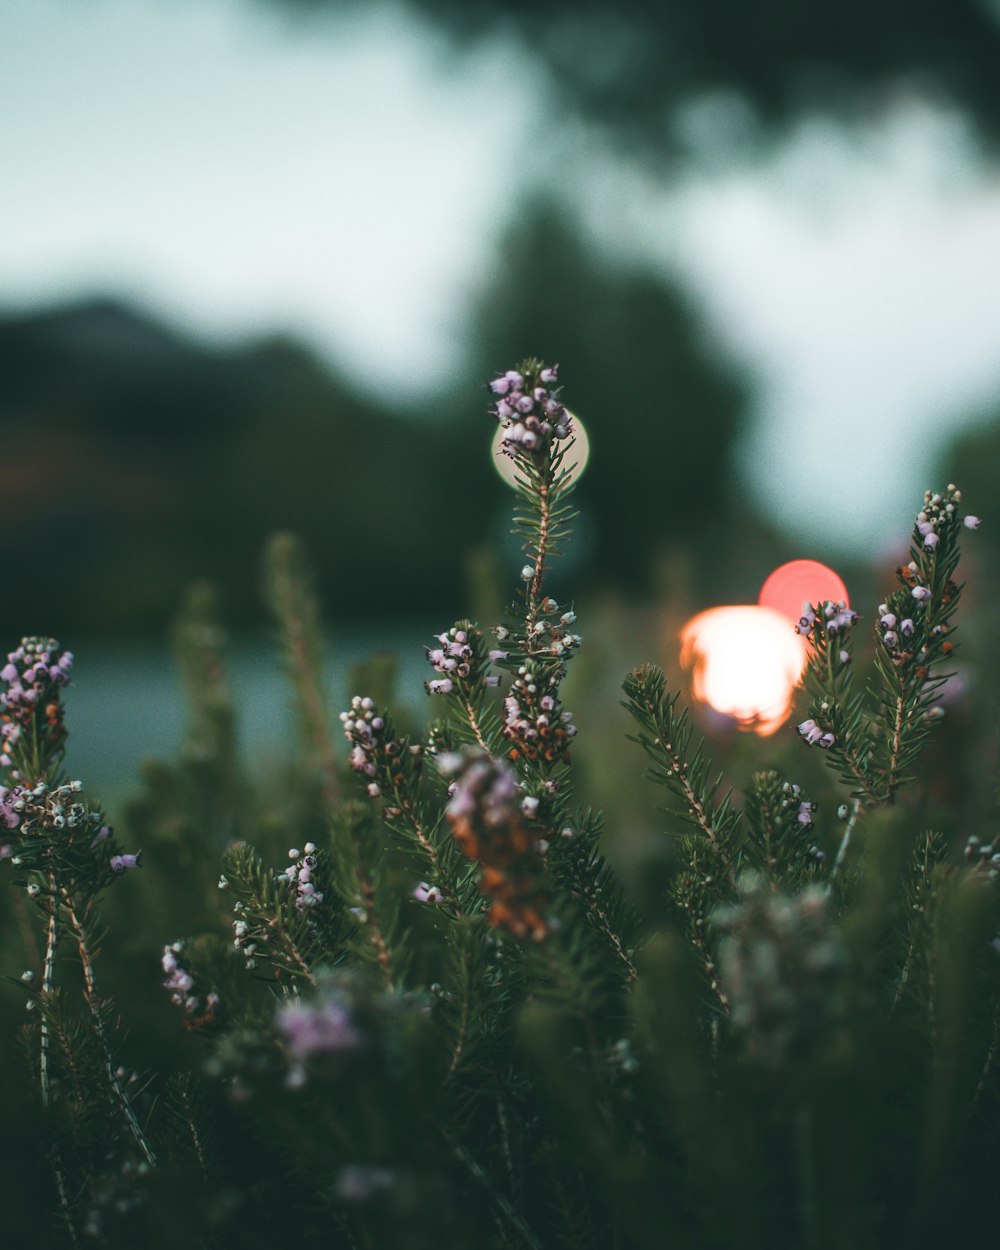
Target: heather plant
[(406, 1002)]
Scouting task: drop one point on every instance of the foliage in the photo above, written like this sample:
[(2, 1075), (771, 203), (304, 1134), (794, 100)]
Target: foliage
[(440, 1020), (626, 68)]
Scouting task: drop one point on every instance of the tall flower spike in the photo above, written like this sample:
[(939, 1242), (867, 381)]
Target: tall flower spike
[(32, 731), (529, 408), (487, 820)]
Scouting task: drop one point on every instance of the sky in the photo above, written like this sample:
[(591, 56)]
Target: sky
[(344, 181)]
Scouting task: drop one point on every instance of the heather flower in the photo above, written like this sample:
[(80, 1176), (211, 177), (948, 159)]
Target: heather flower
[(387, 763), (530, 410), (487, 821), (534, 721), (838, 616), (461, 661), (299, 875), (199, 1008), (34, 674), (122, 863), (321, 1027), (814, 735)]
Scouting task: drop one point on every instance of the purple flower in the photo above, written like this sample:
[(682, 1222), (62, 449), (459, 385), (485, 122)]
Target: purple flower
[(813, 735), (425, 893), (529, 410), (931, 541), (317, 1028), (122, 863), (971, 522), (920, 593), (444, 686)]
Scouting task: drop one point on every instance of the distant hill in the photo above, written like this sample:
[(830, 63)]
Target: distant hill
[(135, 458)]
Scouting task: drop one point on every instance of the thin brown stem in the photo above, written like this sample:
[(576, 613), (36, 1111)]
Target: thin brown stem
[(378, 938), (93, 1003), (477, 732), (48, 978), (694, 803), (544, 520), (897, 734), (586, 892)]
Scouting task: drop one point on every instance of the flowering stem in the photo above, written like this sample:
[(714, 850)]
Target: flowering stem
[(90, 994), (694, 803), (477, 732), (586, 892), (48, 973), (711, 970), (892, 780), (541, 548), (48, 977)]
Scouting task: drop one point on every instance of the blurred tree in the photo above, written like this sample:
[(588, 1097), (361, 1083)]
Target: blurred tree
[(629, 65), (661, 409), (136, 460)]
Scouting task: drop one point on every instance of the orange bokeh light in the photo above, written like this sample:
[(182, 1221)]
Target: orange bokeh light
[(746, 660)]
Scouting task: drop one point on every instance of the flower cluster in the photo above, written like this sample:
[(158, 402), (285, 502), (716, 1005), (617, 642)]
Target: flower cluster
[(534, 721), (792, 798), (39, 815), (894, 630), (299, 876), (387, 761), (983, 856), (814, 735), (487, 819), (322, 1028), (833, 617), (551, 633), (529, 408), (939, 516), (199, 1009), (914, 578), (33, 674), (460, 661)]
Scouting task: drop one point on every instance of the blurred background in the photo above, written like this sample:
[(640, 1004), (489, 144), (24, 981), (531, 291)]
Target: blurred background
[(259, 257)]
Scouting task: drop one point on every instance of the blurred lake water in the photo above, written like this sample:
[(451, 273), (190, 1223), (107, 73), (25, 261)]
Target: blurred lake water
[(126, 702)]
